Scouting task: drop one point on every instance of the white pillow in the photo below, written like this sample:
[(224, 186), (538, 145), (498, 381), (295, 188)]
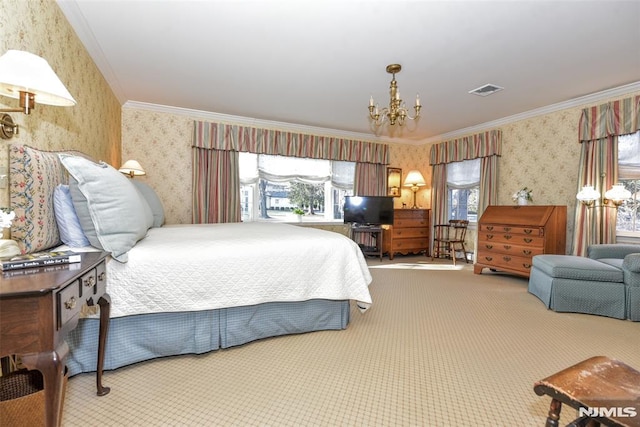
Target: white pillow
[(112, 212), (153, 200), (69, 226)]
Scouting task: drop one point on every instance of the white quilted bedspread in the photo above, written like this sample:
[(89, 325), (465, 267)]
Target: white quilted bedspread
[(208, 266)]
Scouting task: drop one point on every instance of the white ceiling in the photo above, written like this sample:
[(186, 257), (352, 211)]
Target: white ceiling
[(316, 63)]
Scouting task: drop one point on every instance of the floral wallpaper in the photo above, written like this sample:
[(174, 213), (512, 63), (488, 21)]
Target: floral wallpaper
[(408, 157), (93, 125), (161, 142)]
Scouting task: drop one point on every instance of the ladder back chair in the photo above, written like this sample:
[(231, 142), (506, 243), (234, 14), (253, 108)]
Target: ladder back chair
[(448, 238)]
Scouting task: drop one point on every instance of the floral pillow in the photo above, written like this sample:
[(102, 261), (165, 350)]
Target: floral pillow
[(34, 175)]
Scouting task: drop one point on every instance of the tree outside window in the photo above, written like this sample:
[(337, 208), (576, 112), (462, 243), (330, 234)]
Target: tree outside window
[(273, 186)]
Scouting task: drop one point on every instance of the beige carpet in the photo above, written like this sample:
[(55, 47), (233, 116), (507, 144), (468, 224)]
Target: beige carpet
[(439, 347)]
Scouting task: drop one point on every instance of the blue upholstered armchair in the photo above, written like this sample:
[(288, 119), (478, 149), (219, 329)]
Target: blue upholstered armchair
[(627, 258)]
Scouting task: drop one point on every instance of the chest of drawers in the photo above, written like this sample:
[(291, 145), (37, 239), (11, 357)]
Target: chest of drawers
[(510, 236), (409, 232)]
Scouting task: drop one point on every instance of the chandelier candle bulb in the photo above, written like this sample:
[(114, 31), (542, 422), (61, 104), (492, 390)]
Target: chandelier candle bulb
[(417, 100), (371, 101)]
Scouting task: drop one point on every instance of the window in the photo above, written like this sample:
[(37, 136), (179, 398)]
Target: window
[(628, 221), (463, 189), (272, 186)]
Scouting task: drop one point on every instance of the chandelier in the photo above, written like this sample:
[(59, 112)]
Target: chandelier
[(397, 110)]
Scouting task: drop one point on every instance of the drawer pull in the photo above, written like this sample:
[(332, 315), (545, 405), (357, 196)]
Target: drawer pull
[(507, 247), (489, 258), (488, 246), (526, 252), (506, 258), (527, 240), (490, 227), (489, 236), (70, 304), (508, 236), (528, 231), (526, 265), (507, 229), (90, 281), (102, 276)]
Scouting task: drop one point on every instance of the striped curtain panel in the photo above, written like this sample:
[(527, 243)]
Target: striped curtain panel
[(216, 186), (370, 180), (438, 197), (598, 133), (216, 181)]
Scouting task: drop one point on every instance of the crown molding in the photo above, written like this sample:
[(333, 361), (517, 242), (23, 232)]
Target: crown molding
[(311, 130), (258, 123), (576, 102)]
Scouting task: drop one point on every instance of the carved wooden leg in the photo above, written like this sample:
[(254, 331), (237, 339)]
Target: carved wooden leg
[(51, 365), (554, 413), (105, 308)]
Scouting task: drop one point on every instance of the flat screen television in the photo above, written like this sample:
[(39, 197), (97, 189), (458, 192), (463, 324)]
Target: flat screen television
[(368, 210)]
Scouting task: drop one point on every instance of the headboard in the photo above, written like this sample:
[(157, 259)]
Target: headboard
[(33, 177)]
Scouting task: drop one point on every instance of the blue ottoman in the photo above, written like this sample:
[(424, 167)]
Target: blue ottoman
[(577, 284)]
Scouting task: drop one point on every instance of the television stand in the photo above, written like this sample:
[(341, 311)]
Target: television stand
[(373, 235)]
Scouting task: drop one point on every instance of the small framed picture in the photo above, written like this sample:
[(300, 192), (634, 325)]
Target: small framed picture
[(394, 176)]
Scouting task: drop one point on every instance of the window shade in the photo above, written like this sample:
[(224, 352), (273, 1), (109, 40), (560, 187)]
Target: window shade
[(464, 174)]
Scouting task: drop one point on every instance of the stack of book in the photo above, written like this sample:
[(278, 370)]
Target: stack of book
[(39, 259)]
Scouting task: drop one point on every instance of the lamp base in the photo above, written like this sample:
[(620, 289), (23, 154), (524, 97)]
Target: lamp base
[(415, 206)]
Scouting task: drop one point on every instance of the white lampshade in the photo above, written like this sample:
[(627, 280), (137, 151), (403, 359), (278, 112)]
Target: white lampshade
[(588, 194), (617, 194), (132, 168), (414, 179), (25, 72)]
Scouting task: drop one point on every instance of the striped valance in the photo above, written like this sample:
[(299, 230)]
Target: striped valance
[(613, 118), (467, 148), (220, 136)]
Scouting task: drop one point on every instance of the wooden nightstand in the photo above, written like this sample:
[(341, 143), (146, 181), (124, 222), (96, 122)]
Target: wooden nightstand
[(39, 306)]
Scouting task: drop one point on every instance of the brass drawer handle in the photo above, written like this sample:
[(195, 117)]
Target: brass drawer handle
[(489, 236), (70, 304), (488, 246), (528, 240), (526, 265), (488, 258), (508, 236), (507, 229), (506, 258), (490, 227), (526, 252), (90, 281), (507, 247), (528, 231)]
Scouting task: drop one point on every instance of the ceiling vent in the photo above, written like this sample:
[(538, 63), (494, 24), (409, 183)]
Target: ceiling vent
[(486, 90)]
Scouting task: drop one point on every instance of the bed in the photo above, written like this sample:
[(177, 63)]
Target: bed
[(181, 289)]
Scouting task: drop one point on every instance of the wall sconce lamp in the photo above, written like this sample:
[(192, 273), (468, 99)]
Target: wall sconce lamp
[(616, 195), (590, 197), (30, 79), (132, 168), (415, 180)]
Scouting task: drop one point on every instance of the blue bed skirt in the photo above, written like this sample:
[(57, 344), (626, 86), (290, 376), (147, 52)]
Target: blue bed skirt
[(133, 339)]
